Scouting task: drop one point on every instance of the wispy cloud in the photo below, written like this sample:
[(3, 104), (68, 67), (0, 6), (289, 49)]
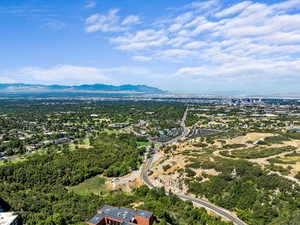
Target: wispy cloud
[(250, 69), (201, 6), (55, 25), (106, 23), (199, 44), (6, 80), (90, 4), (234, 9), (259, 39), (141, 58), (72, 74), (64, 73), (23, 11), (131, 20), (110, 22)]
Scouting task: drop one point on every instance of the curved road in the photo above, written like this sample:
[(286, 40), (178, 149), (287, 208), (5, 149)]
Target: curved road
[(198, 202)]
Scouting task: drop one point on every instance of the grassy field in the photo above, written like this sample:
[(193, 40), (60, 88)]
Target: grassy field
[(13, 159), (115, 131), (143, 143), (95, 185), (292, 158), (293, 136), (84, 144)]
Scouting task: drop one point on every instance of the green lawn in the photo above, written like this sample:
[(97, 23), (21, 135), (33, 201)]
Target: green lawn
[(13, 159), (115, 131), (93, 185), (143, 143), (83, 144)]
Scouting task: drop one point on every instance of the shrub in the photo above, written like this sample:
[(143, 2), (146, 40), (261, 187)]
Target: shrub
[(166, 167)]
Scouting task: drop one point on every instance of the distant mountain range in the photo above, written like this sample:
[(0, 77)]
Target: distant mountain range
[(93, 89)]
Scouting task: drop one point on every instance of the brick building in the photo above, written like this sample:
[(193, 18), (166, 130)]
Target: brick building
[(109, 215)]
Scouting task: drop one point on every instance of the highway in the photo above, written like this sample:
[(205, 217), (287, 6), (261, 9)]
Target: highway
[(197, 202)]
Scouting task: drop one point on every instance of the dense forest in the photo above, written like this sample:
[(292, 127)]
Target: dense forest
[(36, 188), (112, 155)]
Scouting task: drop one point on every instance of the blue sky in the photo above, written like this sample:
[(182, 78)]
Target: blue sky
[(213, 46)]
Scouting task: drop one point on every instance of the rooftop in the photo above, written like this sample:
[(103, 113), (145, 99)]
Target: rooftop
[(7, 218), (125, 215), (295, 130)]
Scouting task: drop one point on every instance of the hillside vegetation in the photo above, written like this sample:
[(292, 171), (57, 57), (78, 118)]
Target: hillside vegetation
[(36, 187)]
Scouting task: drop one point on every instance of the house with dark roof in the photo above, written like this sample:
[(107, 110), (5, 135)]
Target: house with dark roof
[(109, 215)]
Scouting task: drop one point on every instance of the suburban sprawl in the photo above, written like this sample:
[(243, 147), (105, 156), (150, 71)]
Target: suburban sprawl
[(160, 160)]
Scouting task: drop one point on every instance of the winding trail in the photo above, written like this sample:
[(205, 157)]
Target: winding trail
[(263, 162)]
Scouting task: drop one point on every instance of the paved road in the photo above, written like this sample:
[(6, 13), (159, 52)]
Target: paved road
[(185, 131), (198, 202), (124, 180), (217, 210)]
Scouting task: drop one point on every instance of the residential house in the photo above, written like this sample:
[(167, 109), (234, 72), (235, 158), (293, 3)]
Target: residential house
[(109, 215)]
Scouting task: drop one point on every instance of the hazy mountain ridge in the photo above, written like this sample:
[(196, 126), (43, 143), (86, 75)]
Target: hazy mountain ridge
[(128, 88)]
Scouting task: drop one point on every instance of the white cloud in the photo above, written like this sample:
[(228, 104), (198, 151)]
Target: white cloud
[(110, 22), (285, 23), (184, 18), (204, 5), (287, 5), (281, 38), (195, 44), (142, 39), (175, 27), (133, 46), (140, 36), (6, 80), (141, 58), (70, 74), (131, 20), (207, 26), (106, 23), (253, 30), (63, 73), (90, 4), (174, 54), (238, 41), (234, 9), (196, 21), (251, 70), (178, 41)]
